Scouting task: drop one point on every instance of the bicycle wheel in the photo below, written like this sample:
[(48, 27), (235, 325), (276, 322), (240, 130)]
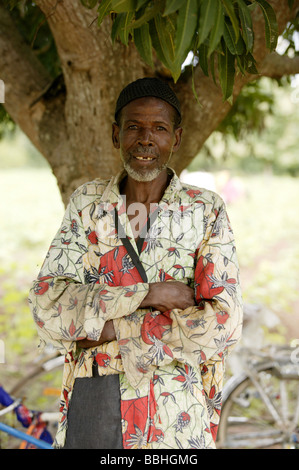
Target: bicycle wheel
[(40, 388), (261, 411), (40, 393)]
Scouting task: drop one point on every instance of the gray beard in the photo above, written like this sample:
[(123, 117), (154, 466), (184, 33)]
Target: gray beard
[(144, 176)]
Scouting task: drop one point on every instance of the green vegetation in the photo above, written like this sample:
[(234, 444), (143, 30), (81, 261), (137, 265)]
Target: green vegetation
[(259, 134)]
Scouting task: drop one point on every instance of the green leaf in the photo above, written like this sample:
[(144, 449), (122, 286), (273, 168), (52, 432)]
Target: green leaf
[(207, 18), (250, 64), (217, 29), (203, 59), (147, 13), (103, 10), (143, 42), (121, 27), (241, 63), (193, 87), (123, 6), (229, 8), (271, 27), (235, 47), (186, 26), (246, 23), (162, 41), (226, 67), (172, 6), (115, 26), (140, 4)]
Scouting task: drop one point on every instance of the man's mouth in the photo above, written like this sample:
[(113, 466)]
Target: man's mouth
[(144, 158)]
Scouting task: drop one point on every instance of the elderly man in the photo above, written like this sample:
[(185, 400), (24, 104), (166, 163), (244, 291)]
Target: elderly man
[(140, 291)]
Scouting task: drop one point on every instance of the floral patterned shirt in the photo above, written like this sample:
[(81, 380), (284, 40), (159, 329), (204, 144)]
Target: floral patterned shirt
[(170, 364)]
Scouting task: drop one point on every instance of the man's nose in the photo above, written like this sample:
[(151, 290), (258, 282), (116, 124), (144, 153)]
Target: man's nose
[(145, 137)]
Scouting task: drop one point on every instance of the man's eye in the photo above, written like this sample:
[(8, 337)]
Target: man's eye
[(161, 128), (132, 127)]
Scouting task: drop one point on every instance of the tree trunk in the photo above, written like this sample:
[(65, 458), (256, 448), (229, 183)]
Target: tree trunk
[(69, 120)]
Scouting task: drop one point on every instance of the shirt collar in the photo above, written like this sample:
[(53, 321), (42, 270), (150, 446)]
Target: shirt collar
[(170, 195)]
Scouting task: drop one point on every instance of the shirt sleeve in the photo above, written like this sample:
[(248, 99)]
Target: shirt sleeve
[(65, 305), (209, 329)]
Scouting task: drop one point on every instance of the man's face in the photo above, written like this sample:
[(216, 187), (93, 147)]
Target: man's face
[(146, 137)]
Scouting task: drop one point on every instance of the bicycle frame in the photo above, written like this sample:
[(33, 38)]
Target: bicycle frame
[(24, 437)]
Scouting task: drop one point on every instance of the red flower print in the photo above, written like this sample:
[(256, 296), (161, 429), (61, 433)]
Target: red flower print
[(117, 268), (203, 356), (92, 237), (155, 326), (74, 227), (193, 192), (221, 318), (214, 429), (103, 359), (102, 305), (41, 288), (135, 413), (187, 377), (214, 401), (163, 276), (204, 284), (72, 329), (183, 420)]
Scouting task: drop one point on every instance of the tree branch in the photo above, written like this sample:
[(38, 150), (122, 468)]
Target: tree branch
[(276, 66), (201, 121), (24, 77)]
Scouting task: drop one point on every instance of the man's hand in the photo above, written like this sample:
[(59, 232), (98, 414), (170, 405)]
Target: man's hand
[(165, 296), (162, 296), (108, 334)]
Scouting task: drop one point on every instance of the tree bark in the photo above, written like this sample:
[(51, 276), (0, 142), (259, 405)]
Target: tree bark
[(69, 121)]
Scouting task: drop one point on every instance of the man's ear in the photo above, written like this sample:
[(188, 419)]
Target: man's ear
[(178, 137), (115, 135)]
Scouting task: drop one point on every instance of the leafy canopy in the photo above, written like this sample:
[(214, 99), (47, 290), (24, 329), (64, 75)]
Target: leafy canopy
[(218, 32)]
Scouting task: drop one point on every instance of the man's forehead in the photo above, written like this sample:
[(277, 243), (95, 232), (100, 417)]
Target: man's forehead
[(148, 107)]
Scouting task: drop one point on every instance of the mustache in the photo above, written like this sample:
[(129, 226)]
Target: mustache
[(140, 150)]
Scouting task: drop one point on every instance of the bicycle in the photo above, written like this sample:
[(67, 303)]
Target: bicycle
[(260, 408), (37, 435), (30, 393)]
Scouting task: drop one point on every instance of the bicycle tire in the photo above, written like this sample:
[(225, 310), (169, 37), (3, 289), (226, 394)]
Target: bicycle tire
[(255, 431), (46, 364), (30, 388)]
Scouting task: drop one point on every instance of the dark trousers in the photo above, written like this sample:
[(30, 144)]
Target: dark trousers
[(94, 417)]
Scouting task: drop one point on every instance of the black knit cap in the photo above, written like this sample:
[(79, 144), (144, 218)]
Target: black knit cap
[(148, 86)]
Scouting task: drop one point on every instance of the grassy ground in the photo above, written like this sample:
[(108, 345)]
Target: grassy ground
[(266, 227)]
